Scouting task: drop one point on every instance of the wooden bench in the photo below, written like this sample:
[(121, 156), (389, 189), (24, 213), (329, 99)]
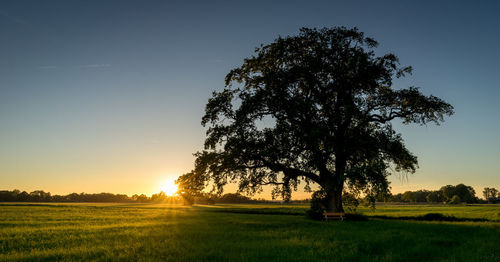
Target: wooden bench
[(333, 216)]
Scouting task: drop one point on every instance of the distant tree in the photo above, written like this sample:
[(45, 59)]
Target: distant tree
[(465, 193), (23, 196), (39, 196), (421, 195), (370, 199), (314, 108), (490, 193), (122, 198), (7, 196), (160, 197), (435, 197), (234, 198), (142, 198), (205, 198), (408, 196), (396, 198), (59, 198), (447, 191), (73, 197)]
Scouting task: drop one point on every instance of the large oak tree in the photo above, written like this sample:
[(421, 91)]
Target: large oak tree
[(315, 108)]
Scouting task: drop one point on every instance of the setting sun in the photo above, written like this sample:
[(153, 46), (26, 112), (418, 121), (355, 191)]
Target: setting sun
[(169, 187)]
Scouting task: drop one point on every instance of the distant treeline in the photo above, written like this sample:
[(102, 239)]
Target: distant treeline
[(42, 196), (446, 194)]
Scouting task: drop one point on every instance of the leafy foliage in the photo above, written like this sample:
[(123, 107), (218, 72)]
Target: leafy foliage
[(464, 193), (317, 205), (443, 195), (312, 108), (490, 193)]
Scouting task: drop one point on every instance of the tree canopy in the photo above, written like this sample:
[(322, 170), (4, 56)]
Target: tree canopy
[(315, 108), (490, 193), (465, 193)]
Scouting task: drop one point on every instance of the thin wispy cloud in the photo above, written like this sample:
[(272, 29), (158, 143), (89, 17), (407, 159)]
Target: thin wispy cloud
[(215, 61), (47, 67), (95, 66), (12, 18)]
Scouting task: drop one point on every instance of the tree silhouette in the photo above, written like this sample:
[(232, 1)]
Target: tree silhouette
[(314, 108), (465, 193), (490, 193)]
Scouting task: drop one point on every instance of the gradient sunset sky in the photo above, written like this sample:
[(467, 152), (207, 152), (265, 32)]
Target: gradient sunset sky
[(107, 96)]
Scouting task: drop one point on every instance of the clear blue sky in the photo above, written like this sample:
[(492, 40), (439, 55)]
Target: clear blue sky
[(108, 95)]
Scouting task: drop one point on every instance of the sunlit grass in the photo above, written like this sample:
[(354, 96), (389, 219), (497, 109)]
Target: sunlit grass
[(272, 233)]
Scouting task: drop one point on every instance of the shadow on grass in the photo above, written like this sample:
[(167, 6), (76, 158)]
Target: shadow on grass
[(256, 211), (278, 211), (349, 216), (434, 217)]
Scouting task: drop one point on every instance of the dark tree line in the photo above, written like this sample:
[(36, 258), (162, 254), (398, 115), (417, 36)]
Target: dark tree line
[(447, 194), (229, 198), (42, 196)]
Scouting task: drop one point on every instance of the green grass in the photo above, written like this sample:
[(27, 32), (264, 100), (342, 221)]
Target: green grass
[(241, 233), (487, 212)]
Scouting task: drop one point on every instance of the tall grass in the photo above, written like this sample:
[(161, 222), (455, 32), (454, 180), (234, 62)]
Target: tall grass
[(227, 233)]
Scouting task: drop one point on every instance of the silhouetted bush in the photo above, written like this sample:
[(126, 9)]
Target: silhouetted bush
[(434, 217), (317, 205), (234, 198), (355, 217)]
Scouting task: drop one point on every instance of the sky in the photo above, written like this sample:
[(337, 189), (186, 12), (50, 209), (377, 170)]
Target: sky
[(107, 96)]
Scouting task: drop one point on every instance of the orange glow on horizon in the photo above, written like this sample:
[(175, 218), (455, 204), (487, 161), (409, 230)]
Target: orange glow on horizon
[(169, 187)]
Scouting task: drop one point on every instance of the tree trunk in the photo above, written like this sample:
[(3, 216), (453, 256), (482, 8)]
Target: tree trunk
[(333, 201), (334, 187), (333, 184)]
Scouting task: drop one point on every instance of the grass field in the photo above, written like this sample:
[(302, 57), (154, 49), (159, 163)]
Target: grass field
[(143, 232)]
